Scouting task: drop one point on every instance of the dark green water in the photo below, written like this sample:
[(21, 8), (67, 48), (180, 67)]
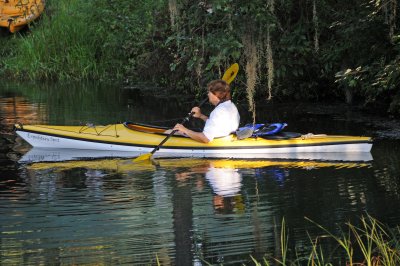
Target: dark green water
[(183, 212)]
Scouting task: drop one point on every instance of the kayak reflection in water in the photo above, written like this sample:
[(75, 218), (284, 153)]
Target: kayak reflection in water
[(223, 120)]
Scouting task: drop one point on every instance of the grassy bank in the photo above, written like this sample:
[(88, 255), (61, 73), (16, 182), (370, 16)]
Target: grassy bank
[(60, 46), (287, 50), (73, 40)]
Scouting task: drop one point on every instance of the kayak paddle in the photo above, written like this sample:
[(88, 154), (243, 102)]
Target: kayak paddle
[(228, 76)]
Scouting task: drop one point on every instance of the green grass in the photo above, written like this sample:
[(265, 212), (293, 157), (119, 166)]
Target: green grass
[(369, 244), (66, 44), (374, 243)]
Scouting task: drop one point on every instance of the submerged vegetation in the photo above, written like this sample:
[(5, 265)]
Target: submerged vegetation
[(290, 49)]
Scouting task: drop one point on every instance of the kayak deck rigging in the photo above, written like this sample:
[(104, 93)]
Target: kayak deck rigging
[(85, 129)]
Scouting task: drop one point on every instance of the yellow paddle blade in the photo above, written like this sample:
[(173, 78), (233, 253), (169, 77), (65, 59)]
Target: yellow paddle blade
[(230, 73), (143, 157)]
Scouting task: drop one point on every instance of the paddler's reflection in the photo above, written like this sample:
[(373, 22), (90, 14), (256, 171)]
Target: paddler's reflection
[(94, 183), (225, 182)]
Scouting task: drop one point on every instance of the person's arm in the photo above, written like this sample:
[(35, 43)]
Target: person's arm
[(198, 136), (197, 113)]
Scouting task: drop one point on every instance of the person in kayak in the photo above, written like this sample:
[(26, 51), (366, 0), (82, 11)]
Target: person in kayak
[(223, 120)]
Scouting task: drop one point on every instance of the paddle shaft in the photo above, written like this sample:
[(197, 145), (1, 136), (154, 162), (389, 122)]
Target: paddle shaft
[(174, 131)]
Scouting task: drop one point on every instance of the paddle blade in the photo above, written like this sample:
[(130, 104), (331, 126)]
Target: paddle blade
[(230, 73), (143, 157)]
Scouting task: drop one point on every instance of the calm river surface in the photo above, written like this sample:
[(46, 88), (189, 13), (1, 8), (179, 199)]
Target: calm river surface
[(182, 211)]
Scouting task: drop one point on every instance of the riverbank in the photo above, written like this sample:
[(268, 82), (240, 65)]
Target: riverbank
[(184, 46)]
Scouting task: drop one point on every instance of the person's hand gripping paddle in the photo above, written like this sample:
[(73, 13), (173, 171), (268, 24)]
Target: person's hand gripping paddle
[(228, 76)]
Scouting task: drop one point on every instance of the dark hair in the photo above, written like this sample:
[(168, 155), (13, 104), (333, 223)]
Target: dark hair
[(220, 89)]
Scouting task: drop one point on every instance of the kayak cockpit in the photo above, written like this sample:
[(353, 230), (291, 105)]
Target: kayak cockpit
[(146, 128)]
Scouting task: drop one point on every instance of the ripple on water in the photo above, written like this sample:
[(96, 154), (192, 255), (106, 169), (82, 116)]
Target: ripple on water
[(115, 213)]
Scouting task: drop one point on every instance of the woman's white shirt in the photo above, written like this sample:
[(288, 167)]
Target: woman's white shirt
[(223, 120)]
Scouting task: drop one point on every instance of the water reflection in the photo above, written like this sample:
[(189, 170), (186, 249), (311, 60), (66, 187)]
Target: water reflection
[(18, 109), (224, 180), (226, 184), (185, 210), (81, 103), (60, 207)]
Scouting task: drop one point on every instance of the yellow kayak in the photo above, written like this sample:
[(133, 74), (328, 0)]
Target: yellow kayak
[(138, 138), (15, 14)]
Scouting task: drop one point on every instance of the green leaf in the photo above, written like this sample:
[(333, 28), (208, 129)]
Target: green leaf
[(352, 83)]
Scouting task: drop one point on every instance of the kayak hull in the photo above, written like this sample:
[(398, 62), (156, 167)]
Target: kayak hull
[(43, 141), (119, 137)]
